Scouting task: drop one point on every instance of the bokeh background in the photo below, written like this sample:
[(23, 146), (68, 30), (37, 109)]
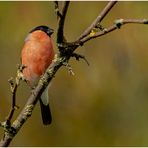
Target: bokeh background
[(104, 104)]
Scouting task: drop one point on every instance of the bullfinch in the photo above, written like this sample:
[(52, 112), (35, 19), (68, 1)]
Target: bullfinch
[(37, 54)]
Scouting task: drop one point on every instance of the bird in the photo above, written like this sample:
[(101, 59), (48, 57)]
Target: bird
[(36, 55)]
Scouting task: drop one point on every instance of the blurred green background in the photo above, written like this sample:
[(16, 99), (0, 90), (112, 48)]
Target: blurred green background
[(104, 104)]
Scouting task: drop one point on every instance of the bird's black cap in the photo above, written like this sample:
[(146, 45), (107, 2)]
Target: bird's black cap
[(46, 29)]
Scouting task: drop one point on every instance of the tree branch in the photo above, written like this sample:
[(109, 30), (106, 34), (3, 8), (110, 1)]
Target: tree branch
[(60, 30), (13, 106), (117, 25), (98, 20), (57, 9), (14, 87)]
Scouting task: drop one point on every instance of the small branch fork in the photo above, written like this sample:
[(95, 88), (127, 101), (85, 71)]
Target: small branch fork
[(98, 20), (117, 25), (13, 87), (66, 51)]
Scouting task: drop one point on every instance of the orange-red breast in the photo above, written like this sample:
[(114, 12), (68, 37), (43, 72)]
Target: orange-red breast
[(37, 54)]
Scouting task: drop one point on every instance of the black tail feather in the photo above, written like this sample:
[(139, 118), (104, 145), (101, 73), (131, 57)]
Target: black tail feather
[(46, 113)]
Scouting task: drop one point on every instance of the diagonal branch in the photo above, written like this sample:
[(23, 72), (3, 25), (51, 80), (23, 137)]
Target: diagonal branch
[(98, 20), (117, 25)]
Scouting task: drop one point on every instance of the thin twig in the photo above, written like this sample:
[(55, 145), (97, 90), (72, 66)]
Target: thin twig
[(59, 15), (78, 57), (9, 130), (98, 20), (117, 25), (60, 34), (14, 86), (13, 107)]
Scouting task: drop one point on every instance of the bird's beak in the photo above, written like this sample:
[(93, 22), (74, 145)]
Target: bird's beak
[(51, 31)]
